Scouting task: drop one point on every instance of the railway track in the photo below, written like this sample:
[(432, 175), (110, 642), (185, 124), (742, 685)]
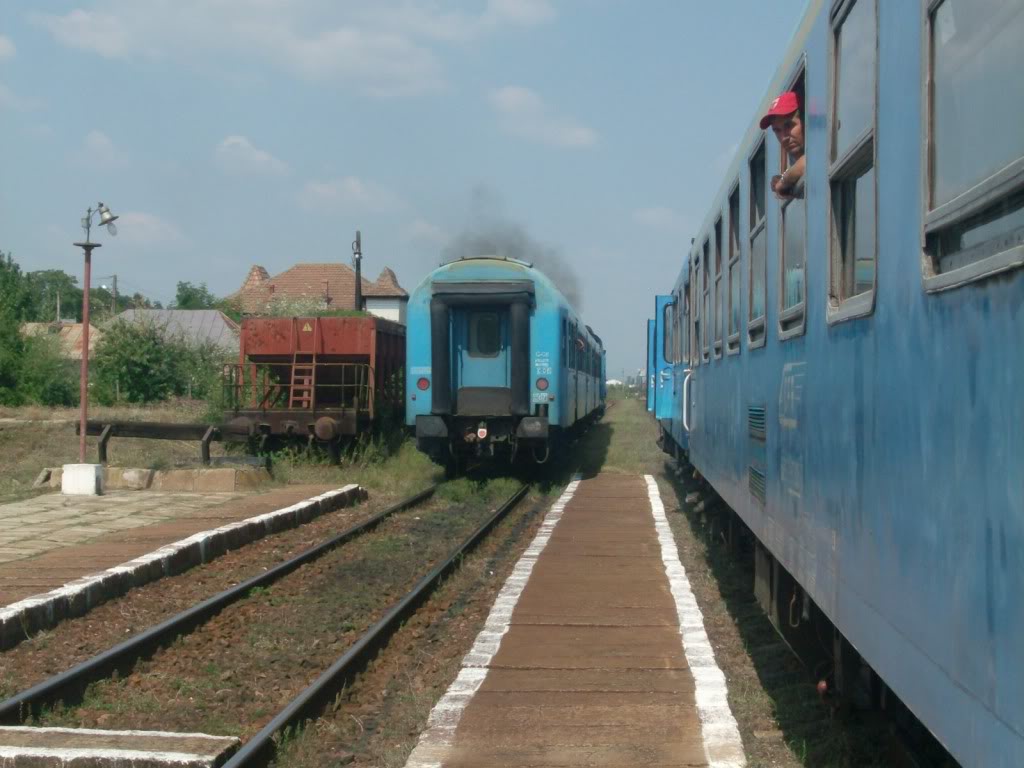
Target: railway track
[(70, 686)]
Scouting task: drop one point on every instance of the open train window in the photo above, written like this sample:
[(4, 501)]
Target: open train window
[(758, 238), (974, 164), (853, 206), (793, 239), (718, 303), (732, 340), (705, 285), (484, 334)]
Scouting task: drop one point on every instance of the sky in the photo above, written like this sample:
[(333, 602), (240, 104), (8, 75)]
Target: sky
[(227, 133)]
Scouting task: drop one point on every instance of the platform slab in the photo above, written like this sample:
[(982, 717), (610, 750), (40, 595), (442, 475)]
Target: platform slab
[(31, 747), (582, 660)]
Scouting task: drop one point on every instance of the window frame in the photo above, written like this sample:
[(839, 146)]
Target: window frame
[(793, 320), (695, 303), (732, 340), (718, 330), (757, 328), (849, 165), (473, 345), (1000, 185)]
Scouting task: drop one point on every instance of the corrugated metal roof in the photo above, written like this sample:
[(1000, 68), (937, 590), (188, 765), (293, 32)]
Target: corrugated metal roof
[(197, 325)]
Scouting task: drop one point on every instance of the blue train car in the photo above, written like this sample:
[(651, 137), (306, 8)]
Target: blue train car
[(853, 366), (498, 364)]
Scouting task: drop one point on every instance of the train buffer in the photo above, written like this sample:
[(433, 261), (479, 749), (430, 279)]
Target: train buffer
[(594, 652)]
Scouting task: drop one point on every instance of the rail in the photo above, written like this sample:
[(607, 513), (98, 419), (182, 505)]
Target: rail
[(70, 685), (260, 749)]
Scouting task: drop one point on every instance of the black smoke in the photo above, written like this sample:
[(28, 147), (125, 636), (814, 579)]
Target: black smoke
[(490, 233)]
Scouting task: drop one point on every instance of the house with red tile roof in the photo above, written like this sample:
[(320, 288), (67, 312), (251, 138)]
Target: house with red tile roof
[(309, 288)]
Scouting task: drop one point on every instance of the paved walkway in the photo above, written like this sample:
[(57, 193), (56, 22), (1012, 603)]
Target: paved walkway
[(582, 661), (51, 540)]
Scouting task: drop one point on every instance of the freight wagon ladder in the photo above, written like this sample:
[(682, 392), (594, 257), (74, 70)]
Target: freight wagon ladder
[(302, 393)]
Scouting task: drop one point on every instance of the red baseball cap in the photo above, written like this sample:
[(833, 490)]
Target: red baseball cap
[(786, 104)]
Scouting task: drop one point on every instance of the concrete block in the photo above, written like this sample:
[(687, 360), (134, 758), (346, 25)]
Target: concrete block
[(128, 479), (43, 478), (28, 746), (215, 480), (251, 477), (174, 480), (56, 475), (82, 480)]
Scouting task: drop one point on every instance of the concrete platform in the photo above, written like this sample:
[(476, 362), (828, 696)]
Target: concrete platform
[(582, 661), (62, 555), (30, 747)]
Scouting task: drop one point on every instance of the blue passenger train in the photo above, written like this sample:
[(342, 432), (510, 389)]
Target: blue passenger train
[(845, 366), (498, 363)]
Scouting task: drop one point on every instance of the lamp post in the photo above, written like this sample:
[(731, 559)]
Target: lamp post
[(106, 219)]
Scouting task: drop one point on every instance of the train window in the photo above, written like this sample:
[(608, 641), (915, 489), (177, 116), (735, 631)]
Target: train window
[(484, 334), (719, 304), (667, 333), (793, 241), (695, 303), (974, 186), (705, 285), (732, 342), (756, 289), (852, 180)]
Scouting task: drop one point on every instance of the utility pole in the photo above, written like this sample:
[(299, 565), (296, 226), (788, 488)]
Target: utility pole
[(357, 257), (58, 305), (113, 299)]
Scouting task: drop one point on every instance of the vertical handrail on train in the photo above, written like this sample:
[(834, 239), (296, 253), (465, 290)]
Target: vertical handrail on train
[(686, 400)]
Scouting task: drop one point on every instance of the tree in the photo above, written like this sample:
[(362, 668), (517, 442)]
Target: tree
[(15, 308), (191, 296), (46, 286)]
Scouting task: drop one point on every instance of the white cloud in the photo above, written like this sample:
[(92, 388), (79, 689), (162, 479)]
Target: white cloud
[(108, 34), (7, 48), (522, 112), (661, 218), (383, 47), (236, 154), (427, 233), (348, 193), (147, 230), (99, 151)]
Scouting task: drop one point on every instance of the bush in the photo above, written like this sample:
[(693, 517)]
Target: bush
[(139, 362), (134, 363), (46, 376)]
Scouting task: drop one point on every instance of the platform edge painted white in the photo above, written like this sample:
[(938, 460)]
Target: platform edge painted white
[(21, 619), (723, 747), (444, 718)]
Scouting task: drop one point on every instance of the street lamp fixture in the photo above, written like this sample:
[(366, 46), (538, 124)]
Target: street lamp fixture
[(107, 219)]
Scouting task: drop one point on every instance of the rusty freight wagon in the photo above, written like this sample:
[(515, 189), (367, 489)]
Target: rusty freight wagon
[(315, 378)]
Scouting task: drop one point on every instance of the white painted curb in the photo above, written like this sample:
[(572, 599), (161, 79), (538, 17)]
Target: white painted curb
[(723, 747), (444, 718), (25, 617)]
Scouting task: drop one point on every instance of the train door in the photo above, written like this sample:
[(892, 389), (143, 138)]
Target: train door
[(650, 366), (664, 397), (483, 377)]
